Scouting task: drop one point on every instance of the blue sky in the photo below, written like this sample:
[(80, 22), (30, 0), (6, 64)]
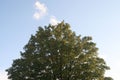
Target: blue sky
[(97, 18)]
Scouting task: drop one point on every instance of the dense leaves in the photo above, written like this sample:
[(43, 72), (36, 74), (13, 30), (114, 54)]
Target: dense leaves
[(57, 53)]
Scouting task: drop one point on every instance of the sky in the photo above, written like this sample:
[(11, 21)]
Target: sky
[(97, 18)]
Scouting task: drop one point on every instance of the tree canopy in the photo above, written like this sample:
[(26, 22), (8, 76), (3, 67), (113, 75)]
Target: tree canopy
[(57, 53)]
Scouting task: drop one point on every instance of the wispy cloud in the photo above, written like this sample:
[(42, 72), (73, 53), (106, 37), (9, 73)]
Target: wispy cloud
[(53, 20), (41, 10)]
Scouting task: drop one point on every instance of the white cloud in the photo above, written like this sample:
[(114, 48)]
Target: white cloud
[(36, 15), (41, 10), (53, 20), (3, 75)]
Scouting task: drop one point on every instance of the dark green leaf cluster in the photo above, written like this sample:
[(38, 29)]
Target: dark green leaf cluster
[(57, 53)]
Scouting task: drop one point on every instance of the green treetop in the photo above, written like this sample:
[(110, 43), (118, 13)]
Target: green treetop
[(57, 53)]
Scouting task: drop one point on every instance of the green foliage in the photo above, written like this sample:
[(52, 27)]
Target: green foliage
[(108, 78), (57, 53)]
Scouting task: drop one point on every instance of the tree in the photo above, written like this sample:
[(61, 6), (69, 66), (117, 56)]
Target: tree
[(108, 78), (57, 53)]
